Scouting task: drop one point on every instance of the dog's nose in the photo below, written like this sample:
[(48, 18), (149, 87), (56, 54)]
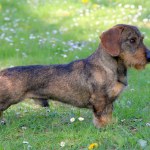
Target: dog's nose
[(148, 55)]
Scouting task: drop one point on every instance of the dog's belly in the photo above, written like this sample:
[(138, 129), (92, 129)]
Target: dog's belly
[(67, 88), (78, 98)]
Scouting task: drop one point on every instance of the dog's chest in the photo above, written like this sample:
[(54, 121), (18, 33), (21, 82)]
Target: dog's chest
[(118, 85), (116, 89), (120, 80)]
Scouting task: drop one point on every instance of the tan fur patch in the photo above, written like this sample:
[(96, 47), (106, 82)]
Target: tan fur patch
[(117, 89), (98, 76), (137, 60), (102, 121)]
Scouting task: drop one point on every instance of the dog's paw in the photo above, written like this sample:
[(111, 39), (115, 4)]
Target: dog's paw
[(98, 123), (102, 121)]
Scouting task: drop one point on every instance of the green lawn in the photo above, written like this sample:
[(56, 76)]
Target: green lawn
[(59, 31)]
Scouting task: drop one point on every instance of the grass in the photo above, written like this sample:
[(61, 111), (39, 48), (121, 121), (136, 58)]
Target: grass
[(54, 32)]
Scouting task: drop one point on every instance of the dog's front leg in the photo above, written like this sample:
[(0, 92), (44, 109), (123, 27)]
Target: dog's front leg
[(104, 117), (99, 103)]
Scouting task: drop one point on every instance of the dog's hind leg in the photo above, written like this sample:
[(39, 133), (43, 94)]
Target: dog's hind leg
[(2, 120), (4, 104), (1, 114)]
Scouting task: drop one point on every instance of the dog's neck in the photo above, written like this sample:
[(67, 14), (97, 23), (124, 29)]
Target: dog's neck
[(122, 71), (101, 58)]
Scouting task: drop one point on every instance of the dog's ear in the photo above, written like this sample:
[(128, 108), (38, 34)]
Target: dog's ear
[(110, 40)]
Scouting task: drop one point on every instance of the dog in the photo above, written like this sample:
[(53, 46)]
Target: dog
[(94, 82)]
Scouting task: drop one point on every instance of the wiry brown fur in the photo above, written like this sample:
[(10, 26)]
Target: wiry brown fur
[(94, 82)]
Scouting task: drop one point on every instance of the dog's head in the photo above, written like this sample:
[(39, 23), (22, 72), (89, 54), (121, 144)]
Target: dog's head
[(126, 42)]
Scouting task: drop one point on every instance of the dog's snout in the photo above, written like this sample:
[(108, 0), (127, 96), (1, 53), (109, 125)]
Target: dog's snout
[(148, 55)]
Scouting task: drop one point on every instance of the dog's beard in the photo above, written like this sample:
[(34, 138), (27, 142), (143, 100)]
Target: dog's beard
[(137, 60)]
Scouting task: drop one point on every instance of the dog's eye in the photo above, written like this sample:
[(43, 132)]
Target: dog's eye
[(133, 40)]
